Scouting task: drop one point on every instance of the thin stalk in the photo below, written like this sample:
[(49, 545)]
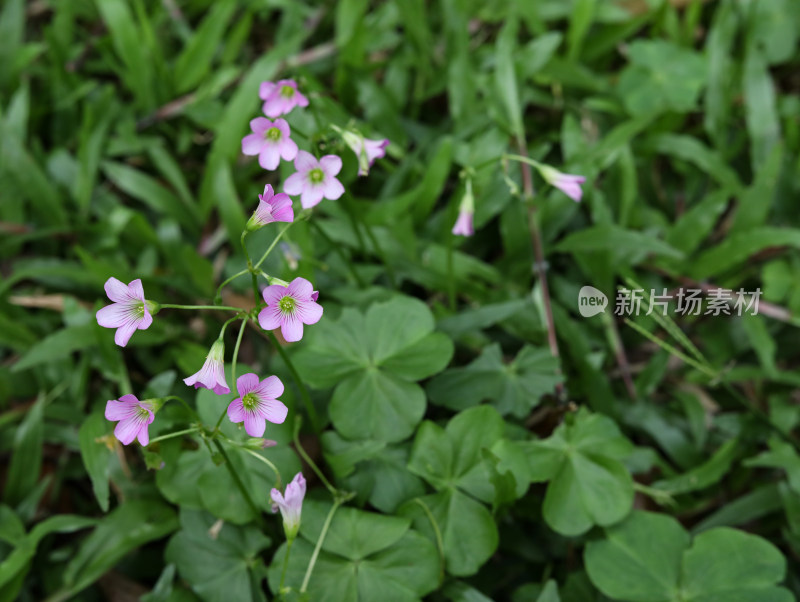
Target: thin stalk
[(186, 405), (340, 253), (175, 434), (318, 547), (228, 280), (304, 395), (233, 367), (240, 485), (274, 242), (268, 463), (250, 268), (285, 565), (226, 307), (311, 463)]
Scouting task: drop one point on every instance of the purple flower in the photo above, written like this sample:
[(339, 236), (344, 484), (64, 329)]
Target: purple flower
[(212, 374), (271, 208), (134, 417), (569, 184), (257, 403), (314, 179), (366, 150), (463, 225), (270, 141), (281, 97), (290, 505), (129, 310), (289, 307)]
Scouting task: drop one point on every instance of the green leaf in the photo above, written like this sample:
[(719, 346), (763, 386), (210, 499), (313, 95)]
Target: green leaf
[(506, 79), (648, 558), (737, 248), (706, 474), (96, 455), (216, 561), (375, 359), (627, 247), (589, 485), (661, 77), (513, 388), (760, 104), (780, 455), (26, 462), (194, 62), (128, 527), (365, 557), (58, 345)]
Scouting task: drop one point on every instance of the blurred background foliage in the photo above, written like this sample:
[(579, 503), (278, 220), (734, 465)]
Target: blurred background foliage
[(120, 132)]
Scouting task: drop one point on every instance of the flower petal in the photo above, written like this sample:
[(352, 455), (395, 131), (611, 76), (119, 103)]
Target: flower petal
[(259, 125), (254, 424), (305, 162), (332, 189), (269, 388), (270, 157), (300, 289), (265, 89), (273, 293), (114, 315), (135, 290), (288, 149), (125, 332), (252, 143), (117, 291), (273, 410), (292, 329), (119, 410), (127, 430), (236, 410), (270, 318), (311, 197), (246, 383), (144, 436), (267, 195), (331, 164), (308, 311), (295, 183)]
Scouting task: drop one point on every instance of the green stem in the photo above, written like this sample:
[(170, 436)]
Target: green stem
[(451, 277), (274, 468), (523, 159), (274, 242), (233, 368), (238, 481), (250, 268), (307, 403), (175, 434), (226, 281), (171, 306), (285, 565), (225, 325), (186, 405), (318, 547), (310, 462), (338, 250), (437, 532)]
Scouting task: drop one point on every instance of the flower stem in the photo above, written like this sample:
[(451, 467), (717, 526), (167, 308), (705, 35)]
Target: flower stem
[(250, 268), (318, 547), (194, 429), (285, 566), (233, 367), (272, 246), (334, 492), (274, 468), (227, 280), (240, 485), (227, 307), (307, 403)]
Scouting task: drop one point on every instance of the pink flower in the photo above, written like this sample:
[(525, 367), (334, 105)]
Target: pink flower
[(257, 403), (315, 179), (134, 417), (289, 307), (366, 150), (569, 184), (212, 374), (280, 98), (463, 225), (291, 505), (270, 141), (129, 310), (271, 208)]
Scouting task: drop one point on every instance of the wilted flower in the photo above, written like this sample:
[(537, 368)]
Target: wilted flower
[(366, 150), (128, 312), (315, 179), (257, 403), (271, 208), (134, 417), (270, 141), (463, 225), (289, 307), (291, 505), (281, 97), (569, 184), (212, 374)]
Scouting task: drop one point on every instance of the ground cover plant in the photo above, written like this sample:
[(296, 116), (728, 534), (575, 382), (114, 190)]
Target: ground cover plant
[(465, 300)]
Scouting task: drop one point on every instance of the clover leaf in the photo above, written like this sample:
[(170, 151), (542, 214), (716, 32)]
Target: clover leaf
[(650, 558), (374, 361), (513, 388), (364, 557)]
